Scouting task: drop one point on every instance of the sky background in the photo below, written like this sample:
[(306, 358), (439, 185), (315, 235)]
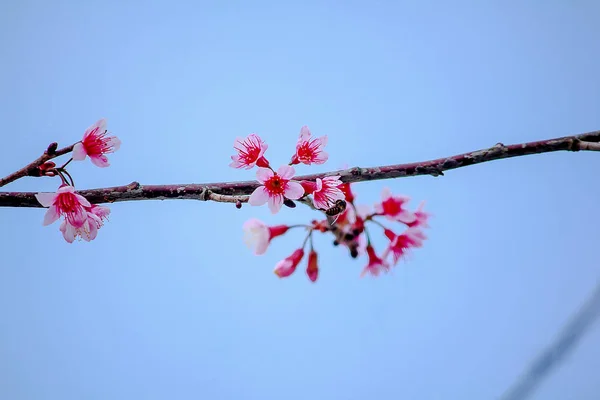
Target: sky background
[(168, 303)]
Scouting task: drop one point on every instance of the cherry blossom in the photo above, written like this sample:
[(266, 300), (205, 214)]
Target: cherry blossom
[(89, 230), (392, 207), (309, 150), (96, 144), (376, 265), (250, 152), (65, 202), (325, 191), (275, 187), (257, 235), (312, 269), (401, 244), (287, 266), (421, 218)]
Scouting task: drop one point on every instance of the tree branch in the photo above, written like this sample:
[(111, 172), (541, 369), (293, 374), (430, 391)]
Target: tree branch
[(237, 192), (32, 168)]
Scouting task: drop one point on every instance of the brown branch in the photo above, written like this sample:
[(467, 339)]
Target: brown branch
[(32, 169), (223, 191)]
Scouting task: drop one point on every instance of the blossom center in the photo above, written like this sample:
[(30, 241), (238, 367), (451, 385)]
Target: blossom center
[(391, 207), (249, 152), (307, 150), (67, 203), (97, 143), (275, 185)]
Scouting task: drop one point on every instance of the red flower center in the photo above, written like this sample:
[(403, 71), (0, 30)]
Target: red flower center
[(391, 207), (67, 203), (308, 150), (96, 143), (249, 151), (275, 184)]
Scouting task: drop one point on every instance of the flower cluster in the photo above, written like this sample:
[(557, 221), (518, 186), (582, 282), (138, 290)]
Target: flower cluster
[(81, 218), (278, 187), (344, 219)]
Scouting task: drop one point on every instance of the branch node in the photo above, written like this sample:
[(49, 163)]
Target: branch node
[(133, 186), (52, 148)]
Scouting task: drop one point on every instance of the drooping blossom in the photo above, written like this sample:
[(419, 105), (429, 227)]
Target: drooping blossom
[(89, 230), (250, 152), (275, 186), (401, 244), (287, 266), (312, 269), (325, 191), (392, 207), (65, 202), (421, 218), (376, 265), (96, 144), (310, 150), (257, 235)]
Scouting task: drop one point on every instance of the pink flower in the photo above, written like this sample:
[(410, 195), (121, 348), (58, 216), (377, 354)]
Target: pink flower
[(310, 151), (257, 235), (401, 244), (96, 144), (421, 218), (392, 207), (89, 230), (275, 186), (287, 266), (375, 265), (312, 269), (249, 152), (325, 191), (64, 202)]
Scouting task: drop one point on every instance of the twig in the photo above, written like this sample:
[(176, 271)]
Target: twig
[(32, 168), (555, 353), (135, 191)]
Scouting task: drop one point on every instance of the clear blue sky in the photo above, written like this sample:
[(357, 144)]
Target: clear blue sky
[(168, 303)]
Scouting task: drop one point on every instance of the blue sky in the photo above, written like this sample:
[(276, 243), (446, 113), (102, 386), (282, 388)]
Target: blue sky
[(167, 302)]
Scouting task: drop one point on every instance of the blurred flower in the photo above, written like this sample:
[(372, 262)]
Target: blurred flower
[(287, 266), (401, 244), (421, 218), (375, 265), (312, 269), (392, 207), (257, 235)]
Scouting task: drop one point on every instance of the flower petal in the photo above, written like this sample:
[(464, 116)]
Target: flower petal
[(264, 174), (45, 199), (114, 142), (82, 200), (79, 152), (100, 161), (286, 172), (293, 190), (51, 215), (386, 193), (304, 134), (68, 231), (275, 203), (259, 197)]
